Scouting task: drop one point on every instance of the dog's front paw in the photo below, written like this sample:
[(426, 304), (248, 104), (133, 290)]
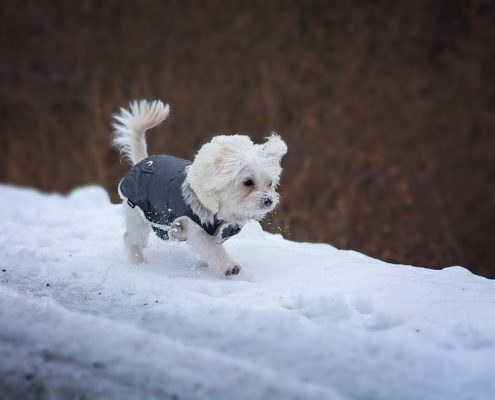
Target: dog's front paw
[(178, 229), (232, 270)]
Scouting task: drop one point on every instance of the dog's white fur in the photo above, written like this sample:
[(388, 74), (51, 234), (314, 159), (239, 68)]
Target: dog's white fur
[(217, 183)]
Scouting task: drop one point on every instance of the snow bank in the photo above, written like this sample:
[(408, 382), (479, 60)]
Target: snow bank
[(301, 321)]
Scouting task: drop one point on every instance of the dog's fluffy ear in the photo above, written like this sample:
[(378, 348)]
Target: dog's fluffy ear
[(199, 174), (215, 165), (274, 147)]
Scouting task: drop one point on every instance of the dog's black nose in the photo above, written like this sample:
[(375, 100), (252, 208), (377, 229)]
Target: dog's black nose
[(267, 201)]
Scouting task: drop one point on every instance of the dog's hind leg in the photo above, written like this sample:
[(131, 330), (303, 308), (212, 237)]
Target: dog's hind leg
[(137, 232)]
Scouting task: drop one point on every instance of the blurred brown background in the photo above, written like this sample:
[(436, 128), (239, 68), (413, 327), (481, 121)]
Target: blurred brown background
[(387, 108)]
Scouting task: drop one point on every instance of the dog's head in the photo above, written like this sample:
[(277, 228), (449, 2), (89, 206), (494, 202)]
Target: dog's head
[(236, 179)]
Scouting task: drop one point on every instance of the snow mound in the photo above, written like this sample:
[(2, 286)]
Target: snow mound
[(301, 321)]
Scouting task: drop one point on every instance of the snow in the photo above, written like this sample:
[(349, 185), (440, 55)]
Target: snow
[(301, 321)]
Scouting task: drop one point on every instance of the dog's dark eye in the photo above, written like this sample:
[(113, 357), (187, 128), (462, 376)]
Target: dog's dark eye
[(248, 182)]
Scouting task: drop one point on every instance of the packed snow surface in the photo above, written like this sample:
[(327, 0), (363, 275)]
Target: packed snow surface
[(301, 321)]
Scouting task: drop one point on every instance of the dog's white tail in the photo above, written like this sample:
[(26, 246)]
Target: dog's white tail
[(130, 126)]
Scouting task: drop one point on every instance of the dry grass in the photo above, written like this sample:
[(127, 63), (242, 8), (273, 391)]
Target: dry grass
[(387, 107)]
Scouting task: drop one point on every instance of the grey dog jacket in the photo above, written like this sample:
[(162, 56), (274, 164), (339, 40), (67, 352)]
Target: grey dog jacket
[(155, 186)]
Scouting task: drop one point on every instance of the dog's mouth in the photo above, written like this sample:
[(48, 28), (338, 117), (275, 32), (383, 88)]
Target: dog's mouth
[(260, 213), (256, 210)]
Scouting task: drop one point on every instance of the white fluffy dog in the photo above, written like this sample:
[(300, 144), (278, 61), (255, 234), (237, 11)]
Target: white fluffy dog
[(204, 202)]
